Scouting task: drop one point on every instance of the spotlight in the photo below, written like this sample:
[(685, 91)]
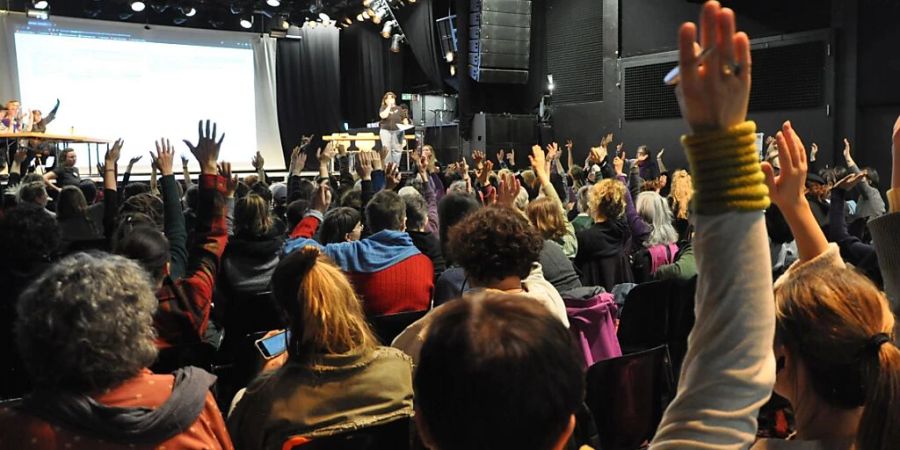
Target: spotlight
[(365, 15), (348, 21), (452, 70), (449, 56), (324, 17), (366, 3), (138, 6), (40, 4), (388, 28), (360, 18), (550, 85), (247, 21), (376, 18), (395, 43), (273, 3)]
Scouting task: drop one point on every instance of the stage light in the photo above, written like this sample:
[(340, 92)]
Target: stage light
[(236, 9), (452, 70), (366, 3), (376, 18), (40, 4), (325, 18), (395, 43), (273, 3), (365, 15), (138, 6), (39, 14), (188, 11), (360, 18), (348, 21), (388, 28), (550, 85), (247, 21), (449, 56)]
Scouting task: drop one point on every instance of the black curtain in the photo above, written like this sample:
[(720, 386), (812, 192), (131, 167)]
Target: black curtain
[(496, 97), (417, 22), (308, 74), (369, 70)]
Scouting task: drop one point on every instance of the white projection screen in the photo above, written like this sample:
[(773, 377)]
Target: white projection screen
[(122, 80)]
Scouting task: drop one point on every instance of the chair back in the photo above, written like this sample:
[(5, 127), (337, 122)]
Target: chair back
[(393, 435), (658, 313), (389, 326), (607, 272), (249, 313), (628, 395), (592, 323)]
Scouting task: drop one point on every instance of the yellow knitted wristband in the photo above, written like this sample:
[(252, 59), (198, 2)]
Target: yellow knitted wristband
[(726, 171)]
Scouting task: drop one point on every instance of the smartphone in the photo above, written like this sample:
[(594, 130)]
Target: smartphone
[(274, 345)]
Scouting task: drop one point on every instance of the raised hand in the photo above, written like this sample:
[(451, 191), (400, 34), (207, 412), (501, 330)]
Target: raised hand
[(113, 154), (511, 156), (164, 158), (20, 156), (539, 163), (305, 140), (485, 171), (619, 164), (257, 161), (500, 155), (850, 181), (847, 155), (813, 151), (322, 198), (508, 191), (620, 148), (660, 154), (463, 168), (207, 149), (422, 165), (133, 161), (552, 151), (392, 176), (788, 188), (364, 164), (713, 96), (325, 156), (478, 159), (598, 155), (569, 145), (231, 181)]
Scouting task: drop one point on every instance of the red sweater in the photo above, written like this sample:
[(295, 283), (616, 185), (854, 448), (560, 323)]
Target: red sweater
[(406, 285)]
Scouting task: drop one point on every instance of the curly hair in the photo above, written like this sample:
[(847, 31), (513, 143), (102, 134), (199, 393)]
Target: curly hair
[(27, 236), (494, 243), (681, 193), (547, 217), (607, 200), (87, 323), (147, 204)]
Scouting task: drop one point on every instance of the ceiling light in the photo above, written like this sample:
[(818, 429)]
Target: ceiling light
[(273, 3), (138, 6), (449, 56), (188, 11), (366, 3), (348, 21), (360, 17), (40, 4), (324, 17), (388, 28), (247, 22), (395, 43), (452, 71)]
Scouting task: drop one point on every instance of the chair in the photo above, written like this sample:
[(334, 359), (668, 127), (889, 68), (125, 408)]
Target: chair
[(607, 271), (658, 313), (393, 435), (628, 395), (389, 326)]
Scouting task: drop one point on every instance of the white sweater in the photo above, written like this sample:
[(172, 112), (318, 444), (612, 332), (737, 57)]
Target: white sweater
[(729, 369)]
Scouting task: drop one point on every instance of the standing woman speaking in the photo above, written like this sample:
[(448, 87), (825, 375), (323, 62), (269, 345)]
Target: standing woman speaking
[(391, 135)]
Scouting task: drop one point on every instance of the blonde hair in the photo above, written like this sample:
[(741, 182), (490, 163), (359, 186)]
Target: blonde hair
[(432, 160), (606, 200), (841, 327), (681, 193), (547, 217), (326, 316), (251, 216)]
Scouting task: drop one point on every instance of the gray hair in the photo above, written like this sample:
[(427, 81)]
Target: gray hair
[(582, 197), (32, 193), (458, 187), (416, 209), (522, 199), (87, 323), (654, 209)]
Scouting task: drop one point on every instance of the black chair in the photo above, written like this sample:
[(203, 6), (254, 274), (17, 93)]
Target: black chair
[(658, 313), (628, 395), (394, 435), (389, 326), (250, 313)]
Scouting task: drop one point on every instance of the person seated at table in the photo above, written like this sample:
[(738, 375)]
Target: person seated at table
[(65, 174), (39, 122)]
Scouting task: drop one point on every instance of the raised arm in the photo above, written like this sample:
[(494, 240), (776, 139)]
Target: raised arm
[(173, 218), (110, 194), (211, 235), (729, 369), (886, 230)]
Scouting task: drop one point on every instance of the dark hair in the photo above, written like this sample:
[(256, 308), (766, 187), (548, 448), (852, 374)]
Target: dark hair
[(147, 204), (70, 204), (27, 236), (451, 210), (337, 223), (872, 176), (352, 199), (192, 197), (416, 211), (145, 244), (305, 190), (89, 189), (295, 212), (252, 217), (497, 371), (494, 243), (242, 189), (31, 192), (136, 188), (262, 189), (386, 211)]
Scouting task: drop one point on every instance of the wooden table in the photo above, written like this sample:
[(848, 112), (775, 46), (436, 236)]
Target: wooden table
[(363, 142), (65, 140)]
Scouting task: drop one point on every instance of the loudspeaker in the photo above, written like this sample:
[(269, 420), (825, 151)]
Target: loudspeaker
[(504, 76), (491, 132), (446, 142), (500, 41)]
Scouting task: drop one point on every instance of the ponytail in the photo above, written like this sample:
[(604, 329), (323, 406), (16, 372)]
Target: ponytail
[(879, 427)]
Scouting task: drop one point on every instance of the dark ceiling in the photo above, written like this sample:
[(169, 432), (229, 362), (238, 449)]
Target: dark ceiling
[(211, 14)]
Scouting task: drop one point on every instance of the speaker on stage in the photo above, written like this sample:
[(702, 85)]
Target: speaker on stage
[(500, 41), (491, 132)]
